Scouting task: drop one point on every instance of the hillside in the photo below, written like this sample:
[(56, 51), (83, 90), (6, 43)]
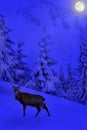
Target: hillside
[(65, 115)]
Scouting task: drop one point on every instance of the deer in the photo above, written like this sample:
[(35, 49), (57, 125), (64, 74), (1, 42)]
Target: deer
[(27, 99)]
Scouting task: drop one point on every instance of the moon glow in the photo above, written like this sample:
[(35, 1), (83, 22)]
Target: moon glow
[(80, 6)]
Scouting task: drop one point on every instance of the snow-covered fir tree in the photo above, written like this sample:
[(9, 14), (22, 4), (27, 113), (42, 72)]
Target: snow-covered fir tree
[(62, 83), (12, 68), (21, 72), (6, 51), (82, 71), (71, 84), (45, 76)]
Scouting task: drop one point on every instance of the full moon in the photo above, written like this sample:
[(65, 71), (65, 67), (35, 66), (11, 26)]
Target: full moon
[(80, 6)]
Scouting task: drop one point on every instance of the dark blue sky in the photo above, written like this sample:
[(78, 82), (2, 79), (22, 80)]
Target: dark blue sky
[(32, 19)]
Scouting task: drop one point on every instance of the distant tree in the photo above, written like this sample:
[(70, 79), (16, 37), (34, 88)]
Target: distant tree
[(62, 79), (71, 83), (82, 71), (62, 82), (44, 75)]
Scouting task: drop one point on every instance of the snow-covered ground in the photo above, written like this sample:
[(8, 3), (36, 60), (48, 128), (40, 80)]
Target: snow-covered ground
[(65, 115)]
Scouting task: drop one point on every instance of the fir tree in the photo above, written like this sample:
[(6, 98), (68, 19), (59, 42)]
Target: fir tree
[(44, 75), (21, 72), (82, 71), (12, 68), (62, 82), (6, 51), (71, 83)]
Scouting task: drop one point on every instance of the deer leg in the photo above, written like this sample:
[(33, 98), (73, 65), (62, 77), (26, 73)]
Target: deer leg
[(24, 109), (38, 110), (45, 107)]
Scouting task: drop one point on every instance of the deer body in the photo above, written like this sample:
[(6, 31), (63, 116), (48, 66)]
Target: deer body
[(30, 100)]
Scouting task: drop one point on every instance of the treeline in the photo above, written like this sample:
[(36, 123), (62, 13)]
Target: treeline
[(13, 69)]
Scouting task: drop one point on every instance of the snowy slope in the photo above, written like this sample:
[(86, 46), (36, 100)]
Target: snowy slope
[(65, 115)]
